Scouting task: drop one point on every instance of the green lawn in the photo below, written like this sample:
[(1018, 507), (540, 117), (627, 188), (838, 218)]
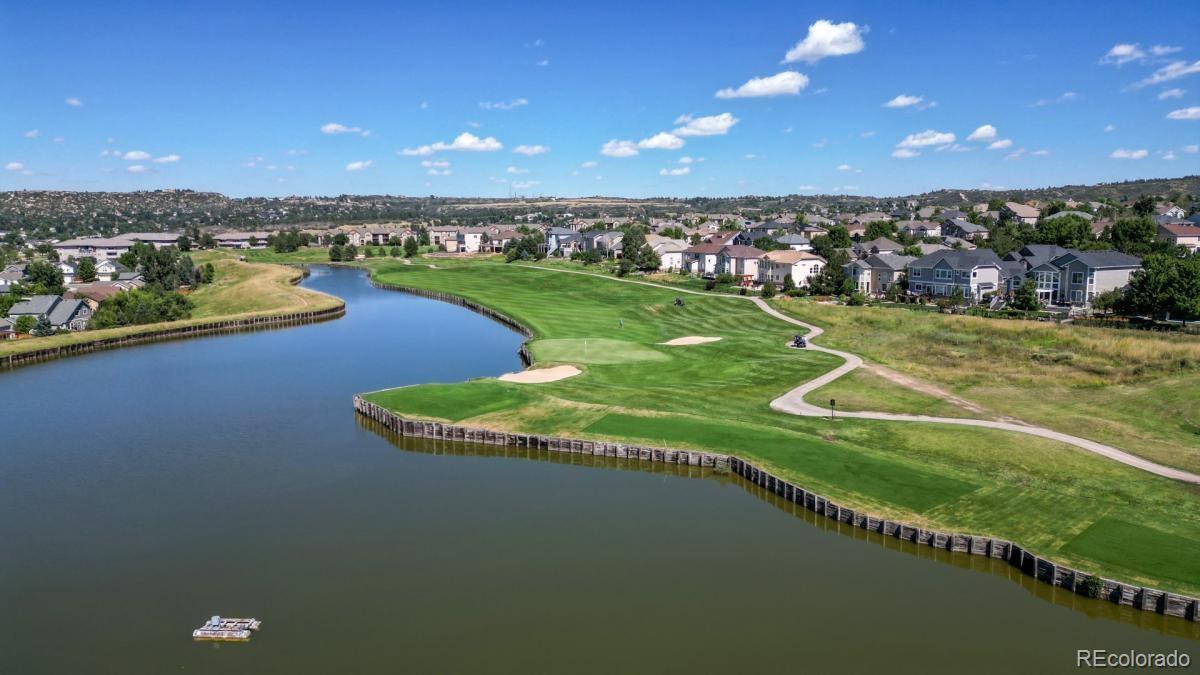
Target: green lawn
[(715, 397), (1136, 390)]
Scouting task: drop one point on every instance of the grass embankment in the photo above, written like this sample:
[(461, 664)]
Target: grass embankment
[(241, 290), (715, 396), (1136, 390)]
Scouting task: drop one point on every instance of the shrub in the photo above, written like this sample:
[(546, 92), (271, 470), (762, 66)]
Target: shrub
[(709, 285), (1092, 587), (768, 290)]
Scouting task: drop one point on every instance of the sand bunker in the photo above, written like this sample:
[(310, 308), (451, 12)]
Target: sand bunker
[(540, 375), (689, 340)]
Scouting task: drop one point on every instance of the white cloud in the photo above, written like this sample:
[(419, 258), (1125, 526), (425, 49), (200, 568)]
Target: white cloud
[(954, 147), (1121, 54), (136, 168), (1169, 155), (14, 166), (58, 139), (435, 163), (867, 134), (531, 150), (845, 167), (32, 133), (1066, 97), (543, 63), (1163, 50), (1040, 153), (589, 164), (503, 105), (1016, 154), (466, 142), (167, 159), (335, 128), (787, 83), (679, 171), (524, 185), (661, 141), (1191, 149), (359, 165), (1192, 113), (297, 151), (615, 148), (136, 155), (73, 102), (687, 159), (1122, 153), (1109, 128), (826, 39), (904, 101), (437, 172), (712, 125), (821, 143), (1170, 93), (1000, 144), (984, 133), (904, 153), (516, 170), (926, 138), (1169, 72)]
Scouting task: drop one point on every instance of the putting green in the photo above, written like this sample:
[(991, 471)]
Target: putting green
[(594, 350)]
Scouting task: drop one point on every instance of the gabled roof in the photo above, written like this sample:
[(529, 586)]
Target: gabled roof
[(960, 260), (891, 261), (707, 248), (64, 311), (1180, 230), (790, 257), (792, 238), (1022, 210), (882, 243), (742, 252), (965, 225), (36, 305), (1099, 259)]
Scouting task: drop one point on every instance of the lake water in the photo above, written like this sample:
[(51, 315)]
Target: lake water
[(144, 489)]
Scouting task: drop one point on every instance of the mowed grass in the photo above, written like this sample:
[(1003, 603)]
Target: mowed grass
[(241, 290), (716, 397), (1136, 390)]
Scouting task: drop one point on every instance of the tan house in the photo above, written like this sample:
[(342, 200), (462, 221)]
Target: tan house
[(1187, 236), (776, 266), (878, 272), (1022, 212)]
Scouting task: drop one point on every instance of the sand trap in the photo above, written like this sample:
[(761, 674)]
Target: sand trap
[(689, 340), (540, 375)]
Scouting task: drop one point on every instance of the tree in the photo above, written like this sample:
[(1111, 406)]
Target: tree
[(335, 253), (635, 249), (1144, 206), (768, 290), (1026, 297), (43, 328), (1068, 231), (768, 244), (210, 273), (87, 270), (674, 232), (1108, 301), (879, 228), (411, 247), (789, 284), (349, 252), (340, 239), (184, 243), (252, 242), (368, 252), (394, 251), (141, 306), (1166, 287), (45, 278), (839, 236), (1133, 235), (832, 279), (24, 324), (528, 247)]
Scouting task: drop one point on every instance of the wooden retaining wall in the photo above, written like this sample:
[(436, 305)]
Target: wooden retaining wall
[(1041, 569), (492, 314), (225, 326)]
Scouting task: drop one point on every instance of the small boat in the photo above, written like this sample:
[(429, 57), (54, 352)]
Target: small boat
[(225, 629)]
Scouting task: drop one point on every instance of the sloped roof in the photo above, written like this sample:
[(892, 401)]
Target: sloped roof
[(790, 257), (1102, 259), (960, 260)]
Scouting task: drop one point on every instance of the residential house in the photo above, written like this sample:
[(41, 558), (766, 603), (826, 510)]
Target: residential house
[(1086, 274), (701, 259), (919, 228), (1037, 264), (876, 273), (880, 245), (606, 242), (670, 251), (796, 242), (105, 269), (731, 238), (155, 239), (1187, 236), (242, 240), (99, 248), (1021, 212), (870, 217), (856, 230), (62, 314), (776, 266), (7, 329), (562, 241), (444, 236), (1169, 210), (963, 229), (974, 273), (472, 239), (69, 271), (741, 262), (500, 239)]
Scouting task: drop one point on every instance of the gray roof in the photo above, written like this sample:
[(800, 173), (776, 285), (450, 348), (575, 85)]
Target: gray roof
[(790, 239), (1036, 254), (1103, 259), (35, 306), (960, 260), (1062, 214), (882, 243), (891, 261), (1009, 269), (966, 225), (64, 311)]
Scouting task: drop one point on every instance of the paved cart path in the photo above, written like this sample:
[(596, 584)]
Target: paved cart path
[(793, 401)]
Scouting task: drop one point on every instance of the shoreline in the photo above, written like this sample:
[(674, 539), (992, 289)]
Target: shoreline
[(1040, 569)]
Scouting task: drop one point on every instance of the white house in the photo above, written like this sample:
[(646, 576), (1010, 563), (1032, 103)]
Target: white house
[(776, 266)]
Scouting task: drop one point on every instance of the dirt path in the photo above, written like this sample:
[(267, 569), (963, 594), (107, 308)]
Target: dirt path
[(793, 401)]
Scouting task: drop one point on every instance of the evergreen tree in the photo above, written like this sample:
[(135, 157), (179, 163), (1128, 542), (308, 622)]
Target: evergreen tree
[(411, 247), (87, 270)]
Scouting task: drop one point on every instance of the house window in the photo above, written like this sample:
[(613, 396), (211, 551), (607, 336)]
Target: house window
[(916, 272), (943, 274), (974, 274), (918, 288), (1077, 277)]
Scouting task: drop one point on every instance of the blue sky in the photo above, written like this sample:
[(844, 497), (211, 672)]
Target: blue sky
[(325, 98)]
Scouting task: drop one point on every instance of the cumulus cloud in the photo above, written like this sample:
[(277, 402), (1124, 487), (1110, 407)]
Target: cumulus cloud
[(136, 168), (845, 167), (1163, 50), (1191, 149), (787, 83), (466, 142), (926, 138), (1122, 153), (1169, 72), (826, 39), (1169, 155), (334, 128), (14, 166), (1170, 93), (32, 133), (984, 133), (615, 148), (1000, 144), (712, 125), (661, 141), (678, 171), (503, 105), (904, 153), (73, 102), (531, 150), (167, 159), (136, 155), (1192, 113), (1121, 54), (359, 165), (904, 101)]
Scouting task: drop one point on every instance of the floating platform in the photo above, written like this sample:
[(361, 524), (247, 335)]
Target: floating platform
[(224, 629)]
